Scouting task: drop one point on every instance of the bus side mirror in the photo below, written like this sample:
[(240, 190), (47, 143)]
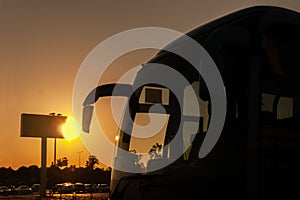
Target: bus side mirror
[(108, 90), (87, 118)]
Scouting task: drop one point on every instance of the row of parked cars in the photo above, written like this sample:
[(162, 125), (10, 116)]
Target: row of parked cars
[(22, 189), (62, 188), (65, 188)]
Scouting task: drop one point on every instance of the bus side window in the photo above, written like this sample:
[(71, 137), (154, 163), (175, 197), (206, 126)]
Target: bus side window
[(193, 126), (279, 139)]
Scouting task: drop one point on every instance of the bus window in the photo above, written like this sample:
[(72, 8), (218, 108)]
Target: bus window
[(191, 124), (148, 135), (284, 106)]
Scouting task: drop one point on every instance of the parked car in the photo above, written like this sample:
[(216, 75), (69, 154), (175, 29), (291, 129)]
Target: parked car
[(79, 188), (68, 188), (23, 189), (4, 190), (58, 188), (36, 187), (103, 188), (91, 188)]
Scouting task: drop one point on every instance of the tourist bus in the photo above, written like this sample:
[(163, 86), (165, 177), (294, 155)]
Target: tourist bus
[(257, 156)]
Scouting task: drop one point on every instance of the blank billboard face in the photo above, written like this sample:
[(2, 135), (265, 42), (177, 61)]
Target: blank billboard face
[(33, 125)]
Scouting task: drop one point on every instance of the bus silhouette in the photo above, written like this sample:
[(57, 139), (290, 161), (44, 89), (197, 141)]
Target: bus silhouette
[(257, 51)]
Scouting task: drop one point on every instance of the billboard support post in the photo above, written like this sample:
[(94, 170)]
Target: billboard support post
[(43, 167), (54, 157)]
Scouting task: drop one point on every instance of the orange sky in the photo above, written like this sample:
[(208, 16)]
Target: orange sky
[(43, 44)]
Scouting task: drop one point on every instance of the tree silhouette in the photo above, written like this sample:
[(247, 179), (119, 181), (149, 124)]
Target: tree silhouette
[(155, 151), (92, 162), (62, 162), (138, 159), (31, 175)]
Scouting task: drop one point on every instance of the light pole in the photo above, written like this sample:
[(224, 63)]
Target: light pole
[(79, 153)]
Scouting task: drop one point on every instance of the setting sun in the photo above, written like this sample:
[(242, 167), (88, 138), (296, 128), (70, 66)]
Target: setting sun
[(69, 130)]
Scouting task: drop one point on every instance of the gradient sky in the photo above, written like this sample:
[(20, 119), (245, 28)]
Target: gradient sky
[(43, 44)]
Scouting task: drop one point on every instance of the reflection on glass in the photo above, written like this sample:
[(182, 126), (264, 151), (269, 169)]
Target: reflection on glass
[(148, 135)]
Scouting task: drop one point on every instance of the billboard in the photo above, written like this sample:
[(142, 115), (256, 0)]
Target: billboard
[(33, 125)]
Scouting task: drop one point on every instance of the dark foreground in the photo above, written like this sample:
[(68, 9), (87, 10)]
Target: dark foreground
[(99, 196)]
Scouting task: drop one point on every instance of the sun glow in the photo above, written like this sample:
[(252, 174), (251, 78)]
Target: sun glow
[(69, 129)]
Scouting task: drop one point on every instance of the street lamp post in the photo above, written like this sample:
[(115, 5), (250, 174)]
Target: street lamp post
[(79, 153)]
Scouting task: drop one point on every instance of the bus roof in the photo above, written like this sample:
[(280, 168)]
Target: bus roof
[(259, 15)]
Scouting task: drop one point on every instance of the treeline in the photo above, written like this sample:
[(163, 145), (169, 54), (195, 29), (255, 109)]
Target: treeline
[(55, 174)]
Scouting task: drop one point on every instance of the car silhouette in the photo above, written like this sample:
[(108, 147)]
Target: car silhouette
[(36, 187), (23, 189), (79, 188), (4, 190)]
